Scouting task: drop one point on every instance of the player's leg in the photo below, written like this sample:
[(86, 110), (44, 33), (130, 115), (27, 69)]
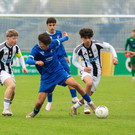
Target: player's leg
[(49, 104), (45, 88), (9, 95), (72, 90), (38, 104), (132, 62), (88, 81), (96, 81), (70, 81), (73, 94)]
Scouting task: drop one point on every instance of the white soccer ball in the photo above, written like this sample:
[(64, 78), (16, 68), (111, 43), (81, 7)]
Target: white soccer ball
[(102, 112)]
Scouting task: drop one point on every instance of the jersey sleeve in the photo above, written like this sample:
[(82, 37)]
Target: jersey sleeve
[(18, 51), (126, 44), (106, 45), (31, 58), (75, 60), (58, 42), (1, 53)]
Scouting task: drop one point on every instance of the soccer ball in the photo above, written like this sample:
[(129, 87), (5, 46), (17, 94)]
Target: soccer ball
[(102, 112)]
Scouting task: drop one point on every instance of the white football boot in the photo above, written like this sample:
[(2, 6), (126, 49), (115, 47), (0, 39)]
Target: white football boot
[(7, 113), (86, 109), (31, 115), (75, 100), (48, 106)]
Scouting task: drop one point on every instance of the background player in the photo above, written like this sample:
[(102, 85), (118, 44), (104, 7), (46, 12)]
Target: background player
[(130, 54), (8, 50), (62, 56), (43, 55), (131, 43), (89, 51)]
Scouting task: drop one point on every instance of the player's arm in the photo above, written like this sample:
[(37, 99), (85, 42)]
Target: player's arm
[(77, 64), (31, 59), (21, 60), (57, 42), (112, 50), (130, 54), (126, 45)]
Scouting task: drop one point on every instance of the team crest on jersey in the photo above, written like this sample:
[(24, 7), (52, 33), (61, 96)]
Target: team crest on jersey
[(51, 50), (58, 36), (42, 52), (85, 53), (94, 50), (6, 53), (131, 39)]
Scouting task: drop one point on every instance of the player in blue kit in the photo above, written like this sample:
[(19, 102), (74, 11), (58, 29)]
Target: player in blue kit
[(62, 57), (44, 56)]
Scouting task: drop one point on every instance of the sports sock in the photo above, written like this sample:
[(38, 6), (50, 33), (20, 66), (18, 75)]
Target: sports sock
[(49, 97), (35, 111), (77, 105), (132, 71), (6, 104), (85, 103), (87, 97), (73, 93)]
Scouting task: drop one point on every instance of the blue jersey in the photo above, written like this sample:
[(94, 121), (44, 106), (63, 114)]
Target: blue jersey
[(60, 49), (49, 57)]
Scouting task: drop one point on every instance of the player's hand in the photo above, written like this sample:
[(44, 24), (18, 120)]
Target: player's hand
[(24, 70), (40, 63), (130, 54), (87, 69), (65, 34), (126, 54), (67, 59), (115, 61)]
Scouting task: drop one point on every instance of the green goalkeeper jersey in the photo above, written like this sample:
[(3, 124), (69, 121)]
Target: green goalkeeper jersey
[(131, 42)]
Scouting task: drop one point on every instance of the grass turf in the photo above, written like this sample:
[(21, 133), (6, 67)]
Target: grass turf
[(117, 93)]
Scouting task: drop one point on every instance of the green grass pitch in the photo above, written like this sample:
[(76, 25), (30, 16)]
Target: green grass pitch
[(117, 93)]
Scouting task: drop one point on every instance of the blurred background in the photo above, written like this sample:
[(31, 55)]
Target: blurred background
[(114, 30)]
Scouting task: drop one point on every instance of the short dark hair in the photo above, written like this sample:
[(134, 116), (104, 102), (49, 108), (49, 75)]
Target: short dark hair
[(44, 38), (86, 32), (51, 20)]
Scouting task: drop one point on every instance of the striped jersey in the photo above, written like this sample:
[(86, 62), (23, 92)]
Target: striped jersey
[(91, 57), (7, 54)]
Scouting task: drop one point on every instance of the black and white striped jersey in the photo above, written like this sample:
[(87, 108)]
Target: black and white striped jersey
[(7, 54), (90, 57)]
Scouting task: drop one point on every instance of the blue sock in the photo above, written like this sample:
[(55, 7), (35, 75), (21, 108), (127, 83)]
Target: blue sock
[(87, 97), (73, 93), (36, 111), (49, 97)]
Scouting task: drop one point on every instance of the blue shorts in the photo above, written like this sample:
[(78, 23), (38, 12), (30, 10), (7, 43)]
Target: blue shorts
[(60, 77), (65, 64)]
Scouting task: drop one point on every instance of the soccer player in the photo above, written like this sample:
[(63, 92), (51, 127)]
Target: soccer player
[(8, 50), (90, 70), (44, 56), (131, 43), (62, 57)]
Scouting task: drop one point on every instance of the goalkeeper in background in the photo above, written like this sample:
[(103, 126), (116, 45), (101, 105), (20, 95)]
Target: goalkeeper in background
[(131, 43)]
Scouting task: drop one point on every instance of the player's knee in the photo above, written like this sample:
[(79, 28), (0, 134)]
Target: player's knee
[(12, 87), (89, 84)]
